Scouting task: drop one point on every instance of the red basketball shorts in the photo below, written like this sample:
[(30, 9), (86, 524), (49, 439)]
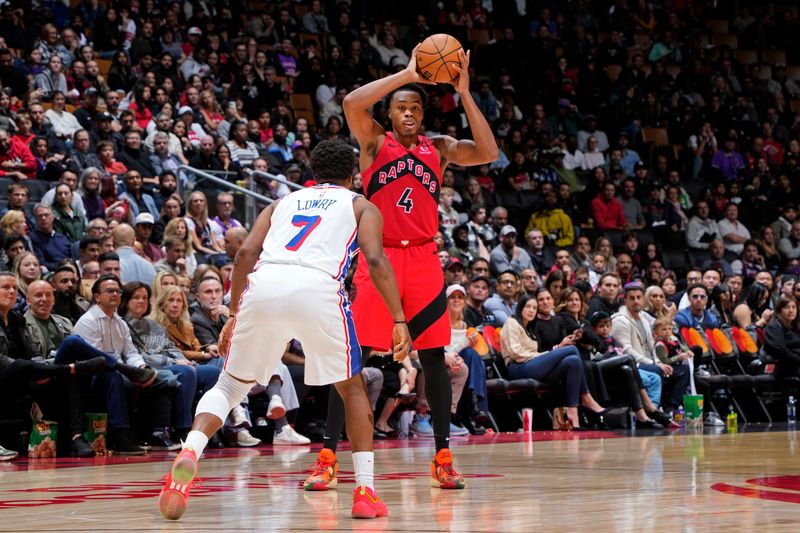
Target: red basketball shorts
[(421, 284)]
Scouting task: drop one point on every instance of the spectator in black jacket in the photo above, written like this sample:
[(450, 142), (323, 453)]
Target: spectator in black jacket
[(782, 338), (605, 299)]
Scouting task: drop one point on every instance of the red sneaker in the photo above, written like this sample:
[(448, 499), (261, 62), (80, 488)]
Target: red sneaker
[(174, 497), (443, 475), (184, 467), (323, 477), (366, 504)]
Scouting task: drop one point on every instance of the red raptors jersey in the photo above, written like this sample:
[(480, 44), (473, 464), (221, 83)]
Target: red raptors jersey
[(404, 184)]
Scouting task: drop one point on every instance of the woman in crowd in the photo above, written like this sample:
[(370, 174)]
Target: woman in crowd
[(722, 300), (163, 280), (555, 283), (170, 209), (768, 249), (607, 367), (107, 154), (120, 75), (670, 289), (66, 220), (27, 270), (199, 226), (140, 105), (177, 227), (603, 246), (782, 338), (473, 194), (160, 352), (524, 359), (89, 191), (14, 222), (656, 304), (753, 310), (211, 111), (228, 164)]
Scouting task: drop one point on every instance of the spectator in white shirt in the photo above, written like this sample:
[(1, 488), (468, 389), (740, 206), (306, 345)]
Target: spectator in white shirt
[(734, 233), (63, 122), (789, 247)]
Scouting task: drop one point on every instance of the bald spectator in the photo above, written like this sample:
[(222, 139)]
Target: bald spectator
[(224, 220), (49, 246), (133, 267)]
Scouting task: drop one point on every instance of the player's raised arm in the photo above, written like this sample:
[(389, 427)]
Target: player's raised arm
[(358, 103), (483, 148), (370, 240)]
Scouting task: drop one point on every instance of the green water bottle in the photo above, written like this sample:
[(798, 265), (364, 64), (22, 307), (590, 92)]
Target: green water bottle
[(732, 423)]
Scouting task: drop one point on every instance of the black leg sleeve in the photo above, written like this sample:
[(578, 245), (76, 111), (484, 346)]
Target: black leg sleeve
[(438, 392)]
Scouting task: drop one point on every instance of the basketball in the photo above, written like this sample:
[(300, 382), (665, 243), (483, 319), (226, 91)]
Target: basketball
[(437, 56)]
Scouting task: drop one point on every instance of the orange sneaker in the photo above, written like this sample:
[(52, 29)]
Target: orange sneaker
[(443, 475), (366, 504), (323, 477), (174, 497), (184, 467)]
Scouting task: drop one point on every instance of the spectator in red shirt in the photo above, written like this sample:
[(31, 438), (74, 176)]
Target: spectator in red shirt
[(607, 211), (16, 159)]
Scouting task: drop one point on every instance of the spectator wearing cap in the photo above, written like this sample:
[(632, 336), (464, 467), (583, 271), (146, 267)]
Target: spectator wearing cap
[(454, 272), (134, 157), (133, 267), (138, 200), (103, 130), (606, 210), (728, 162), (507, 255), (87, 112), (143, 228), (566, 119), (194, 131), (224, 220), (476, 314), (504, 301), (551, 220)]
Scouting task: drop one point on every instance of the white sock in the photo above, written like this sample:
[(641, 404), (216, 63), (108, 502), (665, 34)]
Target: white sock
[(364, 464), (197, 441)]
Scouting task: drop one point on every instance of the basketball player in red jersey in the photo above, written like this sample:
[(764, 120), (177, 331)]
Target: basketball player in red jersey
[(402, 173)]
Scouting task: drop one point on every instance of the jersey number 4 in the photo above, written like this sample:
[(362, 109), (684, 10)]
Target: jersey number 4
[(307, 224), (405, 200)]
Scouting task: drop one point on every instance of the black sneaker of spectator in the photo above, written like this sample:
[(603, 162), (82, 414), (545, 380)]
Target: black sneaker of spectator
[(143, 376), (120, 443), (81, 448), (91, 367), (159, 440)]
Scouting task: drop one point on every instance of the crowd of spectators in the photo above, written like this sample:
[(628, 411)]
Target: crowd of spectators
[(647, 145)]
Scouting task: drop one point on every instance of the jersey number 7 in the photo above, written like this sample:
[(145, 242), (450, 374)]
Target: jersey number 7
[(307, 224)]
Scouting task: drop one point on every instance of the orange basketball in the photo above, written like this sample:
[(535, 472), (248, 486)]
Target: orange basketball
[(436, 56)]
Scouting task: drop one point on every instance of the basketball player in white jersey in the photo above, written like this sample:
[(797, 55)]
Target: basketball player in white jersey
[(288, 283)]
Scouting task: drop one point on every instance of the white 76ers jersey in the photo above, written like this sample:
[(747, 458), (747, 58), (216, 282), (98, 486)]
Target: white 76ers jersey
[(314, 227)]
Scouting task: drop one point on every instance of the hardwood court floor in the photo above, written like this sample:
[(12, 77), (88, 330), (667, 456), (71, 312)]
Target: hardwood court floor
[(549, 482)]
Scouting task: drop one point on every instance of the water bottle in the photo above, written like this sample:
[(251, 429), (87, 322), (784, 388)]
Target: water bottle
[(632, 420), (791, 410), (680, 416), (732, 423)]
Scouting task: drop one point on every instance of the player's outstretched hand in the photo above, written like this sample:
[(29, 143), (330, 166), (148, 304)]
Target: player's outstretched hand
[(402, 341), (225, 337), (462, 82), (412, 71)]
